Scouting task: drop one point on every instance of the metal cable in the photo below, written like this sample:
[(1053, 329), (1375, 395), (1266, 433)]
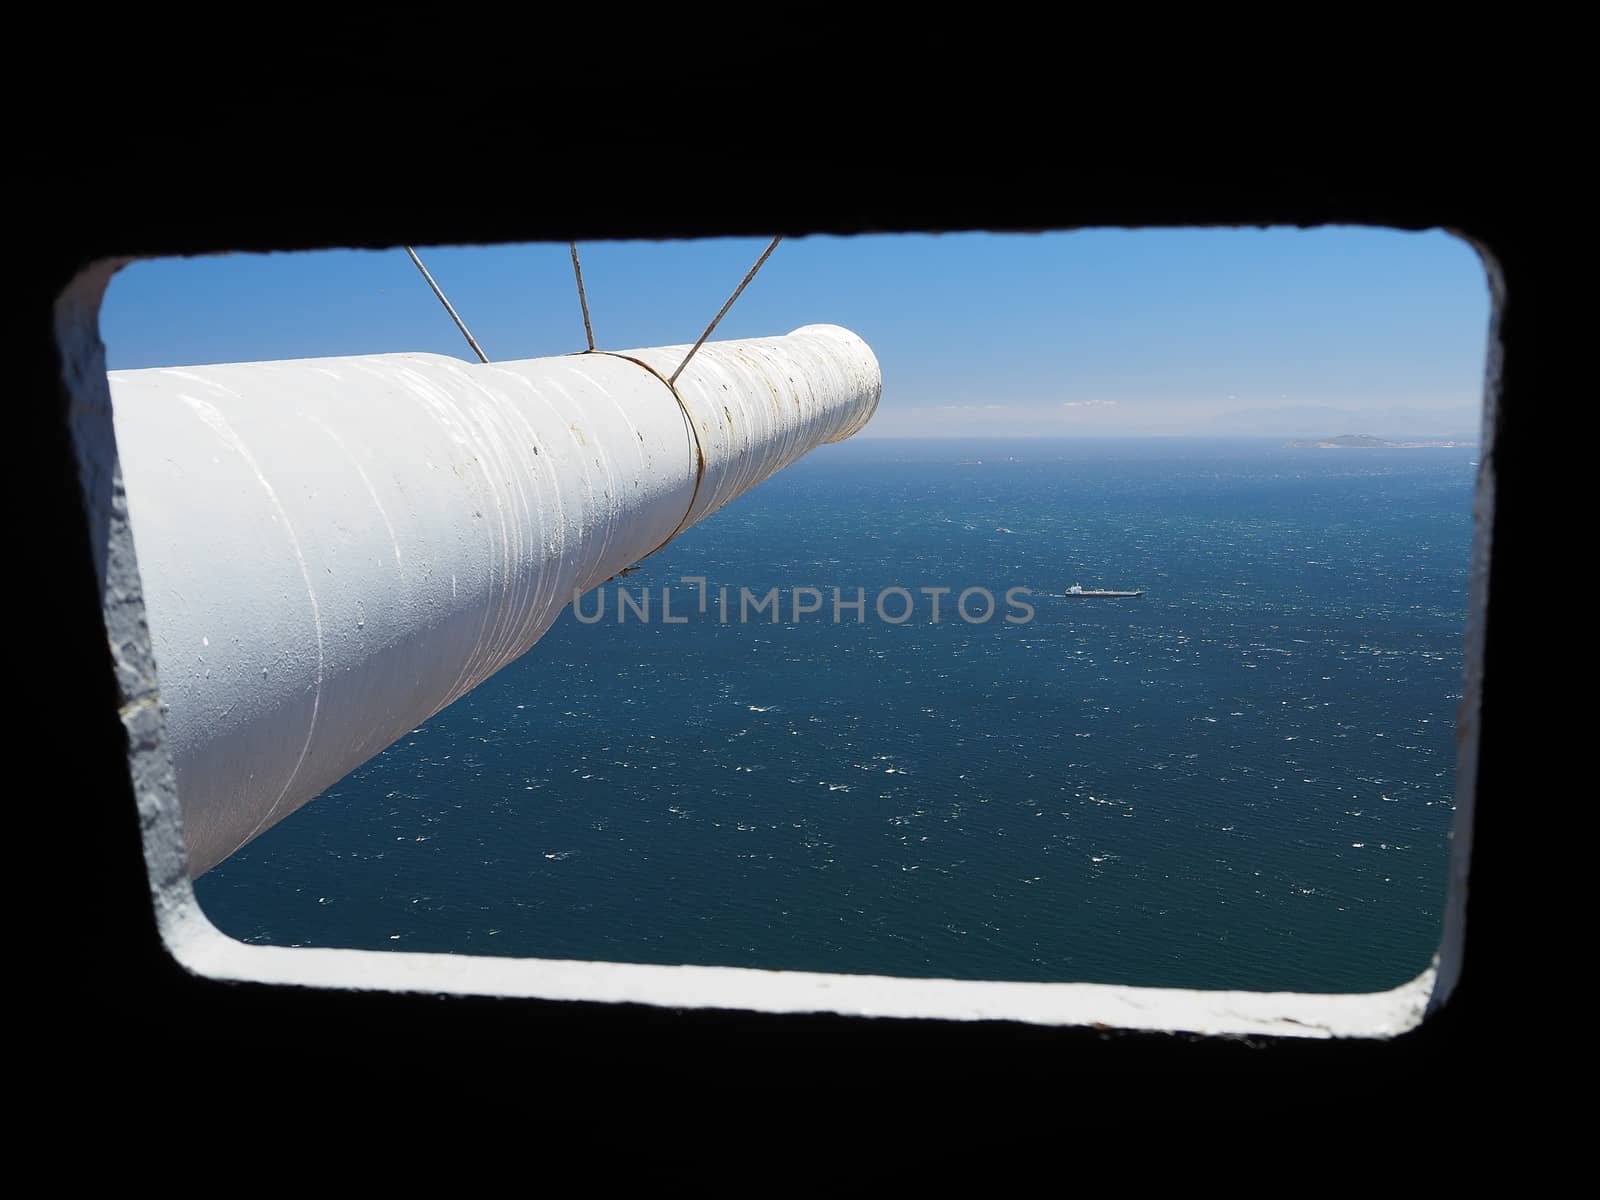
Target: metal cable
[(577, 271), (454, 316), (699, 447), (743, 283)]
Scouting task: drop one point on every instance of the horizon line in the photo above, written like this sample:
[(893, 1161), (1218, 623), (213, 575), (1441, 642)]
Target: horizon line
[(864, 436)]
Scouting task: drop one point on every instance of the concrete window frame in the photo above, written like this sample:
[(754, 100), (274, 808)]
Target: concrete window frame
[(203, 951)]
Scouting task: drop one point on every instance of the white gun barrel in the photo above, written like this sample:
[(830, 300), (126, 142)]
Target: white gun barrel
[(332, 550)]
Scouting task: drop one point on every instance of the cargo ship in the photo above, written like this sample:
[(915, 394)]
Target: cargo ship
[(1077, 592)]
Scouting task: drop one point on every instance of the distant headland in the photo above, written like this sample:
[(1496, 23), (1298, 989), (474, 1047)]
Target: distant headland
[(1365, 441)]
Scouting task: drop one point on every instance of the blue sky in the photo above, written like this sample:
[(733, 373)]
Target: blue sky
[(1280, 332)]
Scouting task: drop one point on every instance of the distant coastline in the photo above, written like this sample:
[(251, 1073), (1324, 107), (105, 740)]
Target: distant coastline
[(1365, 441)]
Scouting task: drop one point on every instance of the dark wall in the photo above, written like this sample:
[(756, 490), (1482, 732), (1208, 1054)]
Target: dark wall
[(358, 137)]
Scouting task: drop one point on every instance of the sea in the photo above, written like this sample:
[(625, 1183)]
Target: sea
[(1244, 778)]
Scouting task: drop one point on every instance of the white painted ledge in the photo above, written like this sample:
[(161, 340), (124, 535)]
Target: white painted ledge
[(207, 952)]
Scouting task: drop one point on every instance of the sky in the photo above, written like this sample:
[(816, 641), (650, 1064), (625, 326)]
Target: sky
[(1102, 332)]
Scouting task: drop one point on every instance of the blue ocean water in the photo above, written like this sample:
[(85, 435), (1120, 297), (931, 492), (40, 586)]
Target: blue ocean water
[(1242, 779)]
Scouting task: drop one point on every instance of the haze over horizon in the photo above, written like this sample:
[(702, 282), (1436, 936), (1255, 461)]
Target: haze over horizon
[(1102, 332), (1304, 423)]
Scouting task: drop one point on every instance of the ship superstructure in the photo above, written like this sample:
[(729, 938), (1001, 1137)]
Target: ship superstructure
[(1078, 592)]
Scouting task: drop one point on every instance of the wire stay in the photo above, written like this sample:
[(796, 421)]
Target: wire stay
[(454, 316), (583, 299), (743, 283)]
